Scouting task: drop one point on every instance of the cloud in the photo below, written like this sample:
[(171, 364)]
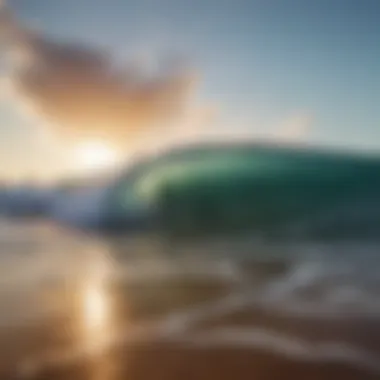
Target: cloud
[(79, 89)]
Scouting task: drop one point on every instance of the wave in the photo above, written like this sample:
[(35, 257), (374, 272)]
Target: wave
[(273, 192)]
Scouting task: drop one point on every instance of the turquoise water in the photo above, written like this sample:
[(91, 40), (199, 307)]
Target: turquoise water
[(271, 191)]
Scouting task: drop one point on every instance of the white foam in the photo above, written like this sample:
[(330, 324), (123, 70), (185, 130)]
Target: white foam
[(289, 346), (323, 286), (161, 268), (178, 327)]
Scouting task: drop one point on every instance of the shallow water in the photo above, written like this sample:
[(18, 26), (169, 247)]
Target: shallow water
[(76, 306)]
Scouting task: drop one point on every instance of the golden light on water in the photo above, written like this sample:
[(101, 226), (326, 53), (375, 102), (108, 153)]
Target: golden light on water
[(96, 314), (97, 329), (95, 307)]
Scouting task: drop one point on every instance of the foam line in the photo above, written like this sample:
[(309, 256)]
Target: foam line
[(176, 327), (333, 352)]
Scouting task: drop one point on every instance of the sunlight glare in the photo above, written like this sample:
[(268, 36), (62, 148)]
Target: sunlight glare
[(94, 155), (95, 307)]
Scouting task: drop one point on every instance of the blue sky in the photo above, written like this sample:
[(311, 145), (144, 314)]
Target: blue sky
[(262, 62)]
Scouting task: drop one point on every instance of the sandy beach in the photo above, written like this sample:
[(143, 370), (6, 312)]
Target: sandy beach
[(78, 312)]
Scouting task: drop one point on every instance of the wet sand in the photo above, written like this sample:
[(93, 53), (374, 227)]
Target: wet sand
[(162, 361), (95, 326), (51, 347)]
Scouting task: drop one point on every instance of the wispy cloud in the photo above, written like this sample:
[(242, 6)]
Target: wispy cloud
[(78, 89)]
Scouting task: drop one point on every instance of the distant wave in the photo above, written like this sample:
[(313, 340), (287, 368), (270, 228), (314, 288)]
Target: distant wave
[(79, 208)]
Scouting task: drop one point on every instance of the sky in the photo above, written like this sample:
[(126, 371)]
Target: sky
[(298, 70)]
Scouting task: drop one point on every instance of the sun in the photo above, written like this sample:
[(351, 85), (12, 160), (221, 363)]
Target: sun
[(94, 155)]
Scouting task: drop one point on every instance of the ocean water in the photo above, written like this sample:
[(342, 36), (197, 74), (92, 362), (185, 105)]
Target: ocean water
[(67, 298)]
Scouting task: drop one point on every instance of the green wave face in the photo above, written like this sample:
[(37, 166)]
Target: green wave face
[(220, 190)]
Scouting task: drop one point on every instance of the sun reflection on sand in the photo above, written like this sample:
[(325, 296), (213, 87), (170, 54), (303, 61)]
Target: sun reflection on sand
[(98, 329), (96, 306), (99, 326)]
